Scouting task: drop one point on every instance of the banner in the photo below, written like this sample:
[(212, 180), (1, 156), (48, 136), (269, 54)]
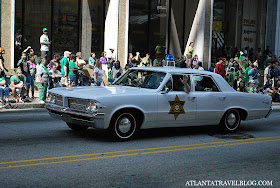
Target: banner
[(249, 24)]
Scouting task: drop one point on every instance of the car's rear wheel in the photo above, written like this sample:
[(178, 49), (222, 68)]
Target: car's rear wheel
[(123, 126), (231, 120), (76, 127)]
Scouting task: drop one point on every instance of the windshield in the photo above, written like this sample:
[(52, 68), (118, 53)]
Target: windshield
[(142, 79)]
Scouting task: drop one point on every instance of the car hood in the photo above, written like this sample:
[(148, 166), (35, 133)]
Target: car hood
[(97, 92)]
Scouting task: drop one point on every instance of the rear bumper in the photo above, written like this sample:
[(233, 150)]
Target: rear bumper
[(76, 117), (269, 112)]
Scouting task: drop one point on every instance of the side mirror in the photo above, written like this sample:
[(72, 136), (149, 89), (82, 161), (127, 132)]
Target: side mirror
[(166, 90)]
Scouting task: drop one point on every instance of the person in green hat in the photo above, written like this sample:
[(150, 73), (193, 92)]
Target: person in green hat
[(45, 44)]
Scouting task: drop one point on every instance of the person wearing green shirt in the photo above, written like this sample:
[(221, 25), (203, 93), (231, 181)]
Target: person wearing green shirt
[(64, 68), (236, 74), (159, 50), (246, 74), (73, 71), (190, 53), (18, 84), (157, 62), (146, 61), (250, 88), (264, 64)]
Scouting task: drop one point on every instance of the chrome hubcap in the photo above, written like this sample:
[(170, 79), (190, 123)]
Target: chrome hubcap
[(124, 125), (231, 119)]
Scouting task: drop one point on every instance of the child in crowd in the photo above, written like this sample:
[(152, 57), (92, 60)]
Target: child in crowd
[(250, 88)]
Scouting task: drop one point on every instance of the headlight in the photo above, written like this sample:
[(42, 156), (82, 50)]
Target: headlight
[(92, 107), (49, 98), (53, 99)]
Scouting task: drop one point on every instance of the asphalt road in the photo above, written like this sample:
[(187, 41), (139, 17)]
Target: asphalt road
[(38, 151)]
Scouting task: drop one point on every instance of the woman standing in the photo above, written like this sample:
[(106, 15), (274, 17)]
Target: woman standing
[(104, 61), (43, 80), (32, 73), (116, 70), (2, 67), (54, 61), (98, 73), (189, 54), (136, 60), (73, 70), (92, 59), (129, 60)]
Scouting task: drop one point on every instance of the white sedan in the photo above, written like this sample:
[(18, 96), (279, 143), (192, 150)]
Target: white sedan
[(154, 97)]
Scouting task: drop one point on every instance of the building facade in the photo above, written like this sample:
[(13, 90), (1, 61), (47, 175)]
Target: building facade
[(131, 26)]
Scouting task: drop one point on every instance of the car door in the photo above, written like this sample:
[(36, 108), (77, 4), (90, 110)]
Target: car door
[(211, 101), (176, 108)]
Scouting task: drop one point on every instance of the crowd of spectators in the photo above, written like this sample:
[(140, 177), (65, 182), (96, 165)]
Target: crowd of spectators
[(245, 70)]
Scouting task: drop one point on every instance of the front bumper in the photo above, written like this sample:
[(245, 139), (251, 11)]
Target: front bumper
[(76, 117)]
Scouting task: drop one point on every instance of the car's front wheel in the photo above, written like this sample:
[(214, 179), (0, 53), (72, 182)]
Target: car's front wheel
[(231, 120), (76, 127), (123, 126)]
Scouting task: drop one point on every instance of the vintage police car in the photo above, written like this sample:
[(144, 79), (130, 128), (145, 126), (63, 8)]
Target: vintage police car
[(154, 97)]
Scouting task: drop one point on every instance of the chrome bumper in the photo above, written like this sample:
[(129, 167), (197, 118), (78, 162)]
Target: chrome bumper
[(76, 117)]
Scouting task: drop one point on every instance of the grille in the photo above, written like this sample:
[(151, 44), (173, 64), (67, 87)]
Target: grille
[(59, 100), (78, 104)]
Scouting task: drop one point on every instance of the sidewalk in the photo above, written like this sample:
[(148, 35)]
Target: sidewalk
[(26, 105)]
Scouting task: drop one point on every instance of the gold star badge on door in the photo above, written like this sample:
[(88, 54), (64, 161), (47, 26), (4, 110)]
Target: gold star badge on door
[(177, 107)]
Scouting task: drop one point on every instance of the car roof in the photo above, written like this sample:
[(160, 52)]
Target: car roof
[(169, 69), (224, 86)]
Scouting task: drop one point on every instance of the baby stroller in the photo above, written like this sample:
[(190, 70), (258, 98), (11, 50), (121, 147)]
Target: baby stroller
[(83, 78)]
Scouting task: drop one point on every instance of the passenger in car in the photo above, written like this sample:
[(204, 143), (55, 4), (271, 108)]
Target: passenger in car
[(184, 81)]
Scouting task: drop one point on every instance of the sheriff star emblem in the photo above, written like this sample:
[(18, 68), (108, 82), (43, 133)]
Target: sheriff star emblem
[(177, 107)]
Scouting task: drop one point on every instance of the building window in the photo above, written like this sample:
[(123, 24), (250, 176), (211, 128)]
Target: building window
[(65, 26), (63, 19), (147, 26)]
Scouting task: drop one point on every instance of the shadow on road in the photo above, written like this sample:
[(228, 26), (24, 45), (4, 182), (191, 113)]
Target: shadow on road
[(160, 133)]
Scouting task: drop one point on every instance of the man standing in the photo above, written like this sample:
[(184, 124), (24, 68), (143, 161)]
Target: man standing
[(45, 43), (80, 61), (65, 68), (267, 74), (24, 66), (112, 55), (220, 69)]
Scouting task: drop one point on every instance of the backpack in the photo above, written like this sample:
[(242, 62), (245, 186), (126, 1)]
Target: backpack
[(272, 73)]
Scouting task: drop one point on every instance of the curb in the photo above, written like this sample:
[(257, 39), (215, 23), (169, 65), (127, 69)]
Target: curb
[(22, 106), (17, 111)]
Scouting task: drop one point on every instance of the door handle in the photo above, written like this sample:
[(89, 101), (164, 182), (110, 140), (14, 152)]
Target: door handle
[(191, 98), (222, 98)]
